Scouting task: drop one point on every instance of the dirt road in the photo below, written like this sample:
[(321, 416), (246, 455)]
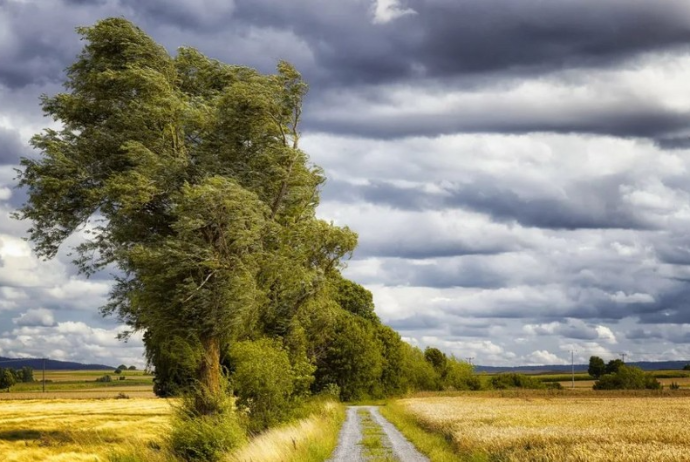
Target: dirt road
[(394, 445)]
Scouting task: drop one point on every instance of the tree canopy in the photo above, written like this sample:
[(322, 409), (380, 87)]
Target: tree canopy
[(187, 178)]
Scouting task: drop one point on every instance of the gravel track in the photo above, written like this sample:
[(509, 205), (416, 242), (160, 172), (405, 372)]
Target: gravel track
[(350, 450)]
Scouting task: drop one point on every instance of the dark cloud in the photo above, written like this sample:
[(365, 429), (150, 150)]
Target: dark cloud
[(11, 147), (593, 204)]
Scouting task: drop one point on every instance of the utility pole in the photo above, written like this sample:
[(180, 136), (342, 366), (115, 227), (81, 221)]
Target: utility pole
[(572, 367), (623, 355), (44, 375), (469, 360)]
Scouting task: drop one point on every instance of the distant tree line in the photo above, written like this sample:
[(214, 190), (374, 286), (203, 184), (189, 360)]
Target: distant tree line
[(9, 376)]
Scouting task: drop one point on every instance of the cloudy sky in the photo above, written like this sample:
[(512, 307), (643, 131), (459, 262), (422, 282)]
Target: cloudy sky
[(518, 171)]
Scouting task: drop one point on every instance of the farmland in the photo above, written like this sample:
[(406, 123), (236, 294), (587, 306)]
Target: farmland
[(83, 384), (546, 427), (78, 430)]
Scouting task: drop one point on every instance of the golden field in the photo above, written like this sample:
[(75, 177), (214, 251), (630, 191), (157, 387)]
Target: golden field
[(100, 430), (62, 430), (561, 428)]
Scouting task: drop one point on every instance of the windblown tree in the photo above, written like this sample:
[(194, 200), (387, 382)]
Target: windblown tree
[(185, 175)]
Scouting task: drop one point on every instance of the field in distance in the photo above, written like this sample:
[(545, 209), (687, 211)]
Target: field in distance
[(566, 427), (83, 384)]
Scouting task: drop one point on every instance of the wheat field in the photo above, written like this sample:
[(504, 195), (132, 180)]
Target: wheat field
[(561, 429), (66, 430)]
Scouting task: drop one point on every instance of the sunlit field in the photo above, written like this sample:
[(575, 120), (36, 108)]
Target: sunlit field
[(582, 427), (78, 430)]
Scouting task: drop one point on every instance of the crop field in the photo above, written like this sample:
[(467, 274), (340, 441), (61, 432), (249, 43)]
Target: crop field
[(57, 430), (580, 427), (82, 384)]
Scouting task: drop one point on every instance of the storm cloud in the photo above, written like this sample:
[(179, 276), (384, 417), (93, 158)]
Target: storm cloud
[(517, 170)]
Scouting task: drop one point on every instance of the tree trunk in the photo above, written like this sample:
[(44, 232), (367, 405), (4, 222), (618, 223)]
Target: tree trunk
[(209, 396)]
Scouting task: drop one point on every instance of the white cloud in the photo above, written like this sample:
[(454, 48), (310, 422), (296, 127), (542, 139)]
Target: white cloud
[(622, 297), (36, 317), (388, 10), (541, 357)]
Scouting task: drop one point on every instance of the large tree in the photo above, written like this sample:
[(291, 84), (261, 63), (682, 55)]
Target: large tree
[(186, 176)]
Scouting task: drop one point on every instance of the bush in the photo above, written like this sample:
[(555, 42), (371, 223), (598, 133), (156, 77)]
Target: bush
[(331, 390), (627, 378), (263, 382), (459, 375), (512, 380), (105, 378), (205, 438), (674, 386)]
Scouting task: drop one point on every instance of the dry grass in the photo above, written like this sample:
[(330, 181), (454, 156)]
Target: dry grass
[(57, 430), (575, 428), (308, 440)]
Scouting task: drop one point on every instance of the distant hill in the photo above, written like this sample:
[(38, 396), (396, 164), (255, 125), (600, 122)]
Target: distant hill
[(562, 368), (51, 364)]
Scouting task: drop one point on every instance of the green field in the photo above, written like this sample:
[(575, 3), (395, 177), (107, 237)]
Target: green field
[(59, 382)]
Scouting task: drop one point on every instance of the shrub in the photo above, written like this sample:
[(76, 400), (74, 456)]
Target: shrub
[(512, 380), (331, 390), (205, 438), (122, 396), (105, 378), (263, 382), (674, 386), (627, 378)]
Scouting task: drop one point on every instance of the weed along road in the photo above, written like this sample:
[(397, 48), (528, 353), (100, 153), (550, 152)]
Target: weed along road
[(367, 436)]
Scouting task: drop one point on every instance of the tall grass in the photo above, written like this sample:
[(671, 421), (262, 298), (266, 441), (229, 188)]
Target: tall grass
[(309, 439)]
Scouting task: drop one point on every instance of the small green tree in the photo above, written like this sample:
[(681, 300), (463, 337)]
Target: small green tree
[(7, 379), (613, 366), (627, 378), (132, 368), (263, 380), (27, 374), (597, 367)]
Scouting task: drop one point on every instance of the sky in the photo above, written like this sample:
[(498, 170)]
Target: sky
[(518, 171)]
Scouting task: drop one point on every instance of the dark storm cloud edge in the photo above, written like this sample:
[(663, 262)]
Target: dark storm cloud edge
[(443, 40), (595, 204)]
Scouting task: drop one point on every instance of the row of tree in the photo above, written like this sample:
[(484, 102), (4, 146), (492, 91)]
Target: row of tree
[(10, 376)]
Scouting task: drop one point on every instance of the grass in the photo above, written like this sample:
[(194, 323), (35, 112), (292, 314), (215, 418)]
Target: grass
[(437, 446), (548, 428), (310, 439), (374, 442)]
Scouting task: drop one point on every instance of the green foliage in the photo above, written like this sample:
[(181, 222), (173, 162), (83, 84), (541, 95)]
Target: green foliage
[(459, 375), (352, 359), (206, 437), (354, 298), (190, 172), (674, 386), (627, 378), (420, 374), (613, 366), (597, 367), (7, 379), (513, 380), (132, 368), (436, 358), (105, 378), (263, 380), (686, 367)]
